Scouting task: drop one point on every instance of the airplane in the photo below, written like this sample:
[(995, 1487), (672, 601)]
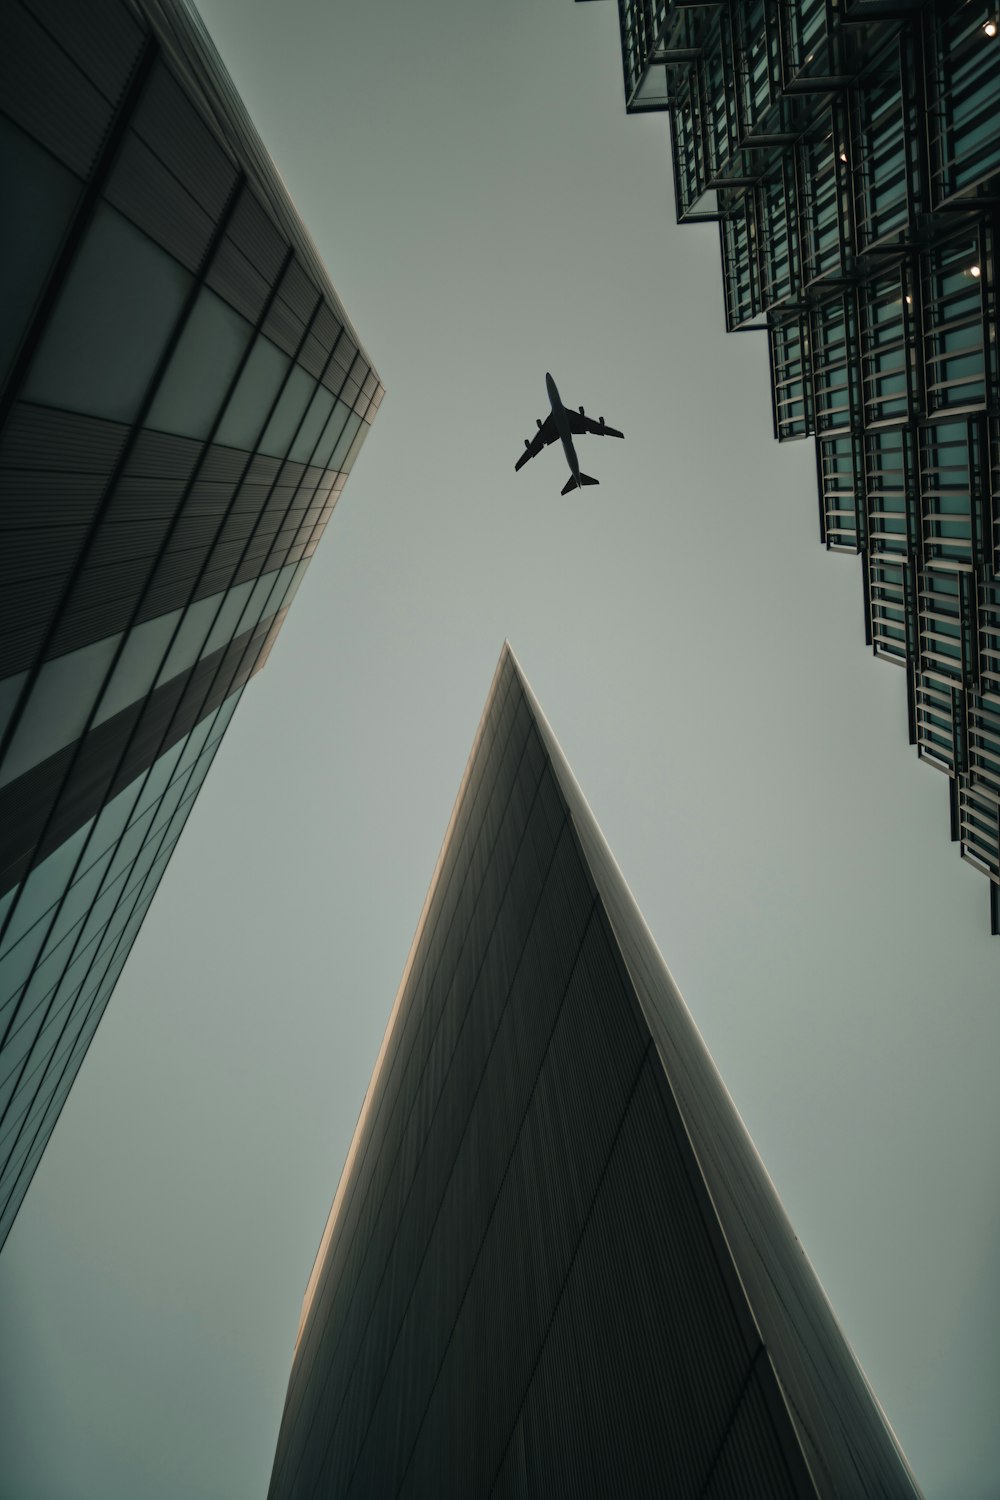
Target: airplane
[(563, 423)]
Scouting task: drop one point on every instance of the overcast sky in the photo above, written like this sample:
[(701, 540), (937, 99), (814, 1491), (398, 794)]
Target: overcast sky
[(488, 212)]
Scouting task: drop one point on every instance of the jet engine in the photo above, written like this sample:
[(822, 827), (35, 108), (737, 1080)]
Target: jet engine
[(601, 421), (538, 423), (527, 442), (582, 412)]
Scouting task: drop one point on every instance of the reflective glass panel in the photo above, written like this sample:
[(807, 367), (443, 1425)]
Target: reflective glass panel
[(58, 706), (251, 401), (334, 427), (44, 886), (347, 463), (38, 196), (113, 317), (201, 368), (224, 627), (315, 418), (288, 413), (10, 688), (136, 667), (190, 639), (339, 454)]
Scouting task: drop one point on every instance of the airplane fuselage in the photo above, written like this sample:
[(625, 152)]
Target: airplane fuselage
[(561, 419), (564, 423)]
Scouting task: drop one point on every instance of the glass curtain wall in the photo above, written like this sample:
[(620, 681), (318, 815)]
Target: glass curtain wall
[(851, 156), (182, 398)]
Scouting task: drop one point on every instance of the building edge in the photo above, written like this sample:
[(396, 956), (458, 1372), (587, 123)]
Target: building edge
[(843, 1442), (809, 1374), (194, 52), (390, 1027)]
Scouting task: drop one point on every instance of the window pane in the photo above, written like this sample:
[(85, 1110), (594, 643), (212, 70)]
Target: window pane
[(6, 902), (38, 196), (78, 899), (259, 602), (223, 714), (339, 454), (347, 463), (190, 639), (287, 413), (136, 668), (224, 627), (112, 319), (251, 400), (201, 368), (162, 771), (9, 690), (319, 409), (334, 427), (44, 886), (58, 707)]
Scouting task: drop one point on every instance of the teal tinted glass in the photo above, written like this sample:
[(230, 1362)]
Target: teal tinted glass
[(110, 326), (331, 433), (315, 419), (136, 667), (339, 455), (61, 700), (361, 432), (10, 691), (253, 396), (44, 886), (38, 196), (201, 368), (288, 413)]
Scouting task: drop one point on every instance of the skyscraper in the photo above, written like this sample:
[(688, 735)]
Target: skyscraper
[(555, 1263), (182, 399), (850, 154)]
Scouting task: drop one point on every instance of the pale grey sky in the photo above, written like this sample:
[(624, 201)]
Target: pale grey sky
[(487, 213)]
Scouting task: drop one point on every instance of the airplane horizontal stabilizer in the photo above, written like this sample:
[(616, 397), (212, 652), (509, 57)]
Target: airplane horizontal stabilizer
[(571, 483)]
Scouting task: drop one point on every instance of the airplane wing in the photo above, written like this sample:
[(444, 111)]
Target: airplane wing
[(579, 423), (546, 434)]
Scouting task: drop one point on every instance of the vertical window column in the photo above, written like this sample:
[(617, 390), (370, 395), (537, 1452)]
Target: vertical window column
[(884, 130), (984, 739), (953, 506), (825, 199), (790, 378), (959, 312), (740, 268), (780, 249), (888, 347), (842, 491), (892, 491), (940, 723), (963, 89), (892, 608)]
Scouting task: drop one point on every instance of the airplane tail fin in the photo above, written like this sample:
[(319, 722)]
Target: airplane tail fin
[(571, 483)]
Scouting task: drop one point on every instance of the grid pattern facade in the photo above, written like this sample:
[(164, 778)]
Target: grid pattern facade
[(850, 152), (529, 1283), (181, 400)]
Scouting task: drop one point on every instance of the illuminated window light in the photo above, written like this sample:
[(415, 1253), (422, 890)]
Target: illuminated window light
[(976, 271), (909, 300), (843, 155), (990, 27)]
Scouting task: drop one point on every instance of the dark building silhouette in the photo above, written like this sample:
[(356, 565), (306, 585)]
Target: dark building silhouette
[(850, 153), (182, 398), (555, 1263)]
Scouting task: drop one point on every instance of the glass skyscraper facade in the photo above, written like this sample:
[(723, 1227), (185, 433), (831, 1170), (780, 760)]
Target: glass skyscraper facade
[(850, 152), (555, 1263), (182, 400)]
